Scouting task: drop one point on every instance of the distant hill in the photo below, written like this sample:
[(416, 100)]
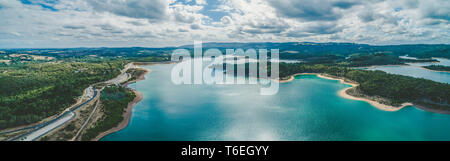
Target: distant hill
[(301, 50), (288, 50)]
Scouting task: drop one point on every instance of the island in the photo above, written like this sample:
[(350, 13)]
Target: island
[(439, 68)]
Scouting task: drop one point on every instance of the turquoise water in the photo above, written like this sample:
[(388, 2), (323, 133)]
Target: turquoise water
[(307, 108), (416, 70)]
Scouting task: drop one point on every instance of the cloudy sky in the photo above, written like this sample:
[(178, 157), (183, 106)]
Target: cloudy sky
[(158, 23)]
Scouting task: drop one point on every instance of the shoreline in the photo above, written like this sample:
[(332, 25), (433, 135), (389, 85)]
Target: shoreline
[(420, 107), (423, 67), (388, 108), (292, 77), (127, 117), (374, 66), (129, 109), (343, 93)]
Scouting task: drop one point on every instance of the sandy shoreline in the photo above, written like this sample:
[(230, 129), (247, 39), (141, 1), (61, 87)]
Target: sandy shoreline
[(129, 110), (292, 77), (343, 93)]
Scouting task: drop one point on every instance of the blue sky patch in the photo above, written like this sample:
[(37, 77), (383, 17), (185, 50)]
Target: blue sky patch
[(214, 15), (45, 4)]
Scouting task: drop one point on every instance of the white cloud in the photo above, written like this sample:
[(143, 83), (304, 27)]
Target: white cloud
[(201, 2), (149, 9), (165, 23)]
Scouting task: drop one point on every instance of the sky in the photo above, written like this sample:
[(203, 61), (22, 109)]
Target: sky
[(161, 23)]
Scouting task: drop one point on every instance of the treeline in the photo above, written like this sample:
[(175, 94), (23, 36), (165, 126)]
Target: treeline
[(149, 59), (438, 68), (31, 92), (397, 88), (114, 101), (358, 60), (135, 73), (135, 52)]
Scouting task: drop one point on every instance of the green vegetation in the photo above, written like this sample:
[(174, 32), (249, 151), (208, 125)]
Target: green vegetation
[(302, 50), (70, 127), (135, 73), (358, 60), (114, 101), (398, 89), (30, 92), (149, 59), (438, 68), (373, 59)]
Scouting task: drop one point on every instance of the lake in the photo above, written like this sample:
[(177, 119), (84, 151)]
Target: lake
[(416, 70), (306, 109)]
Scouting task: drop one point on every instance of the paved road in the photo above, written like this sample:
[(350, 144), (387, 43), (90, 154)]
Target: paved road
[(46, 127), (89, 92), (44, 130), (123, 76)]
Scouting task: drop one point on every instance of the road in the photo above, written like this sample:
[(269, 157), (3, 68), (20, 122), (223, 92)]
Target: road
[(87, 120), (123, 75), (44, 128), (88, 93)]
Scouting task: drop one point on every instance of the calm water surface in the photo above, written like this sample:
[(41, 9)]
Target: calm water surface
[(416, 70), (307, 108)]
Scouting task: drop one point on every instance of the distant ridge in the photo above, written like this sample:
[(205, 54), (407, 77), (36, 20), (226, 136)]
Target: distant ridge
[(291, 50)]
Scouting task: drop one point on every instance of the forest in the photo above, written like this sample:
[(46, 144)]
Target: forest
[(114, 101), (359, 60), (33, 91), (438, 68)]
